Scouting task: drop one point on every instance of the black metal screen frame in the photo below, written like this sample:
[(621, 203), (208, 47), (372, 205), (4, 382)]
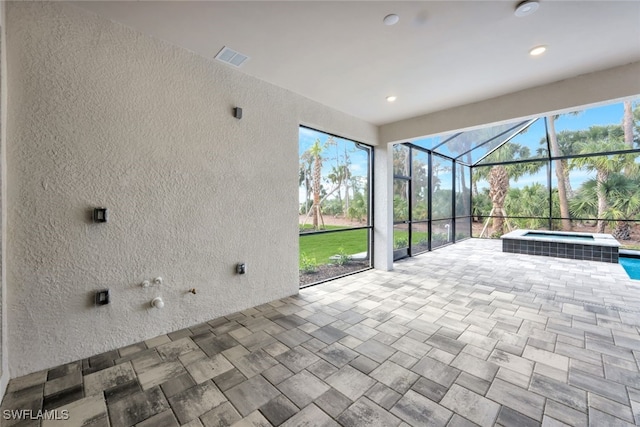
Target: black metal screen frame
[(429, 221), (370, 208), (549, 159)]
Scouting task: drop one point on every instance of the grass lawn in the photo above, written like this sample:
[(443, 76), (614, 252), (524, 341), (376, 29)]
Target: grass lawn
[(322, 246), (401, 238)]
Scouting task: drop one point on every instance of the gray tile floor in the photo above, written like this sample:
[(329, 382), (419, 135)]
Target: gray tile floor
[(461, 336)]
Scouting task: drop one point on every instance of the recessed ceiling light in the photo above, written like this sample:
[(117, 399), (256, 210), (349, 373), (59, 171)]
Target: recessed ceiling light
[(526, 8), (391, 19), (391, 98), (538, 50)]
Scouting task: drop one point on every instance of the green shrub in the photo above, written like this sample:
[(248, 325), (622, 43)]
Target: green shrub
[(343, 257), (308, 264), (401, 243)]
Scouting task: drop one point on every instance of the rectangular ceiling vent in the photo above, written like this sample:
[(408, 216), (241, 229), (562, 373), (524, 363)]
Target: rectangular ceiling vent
[(232, 57)]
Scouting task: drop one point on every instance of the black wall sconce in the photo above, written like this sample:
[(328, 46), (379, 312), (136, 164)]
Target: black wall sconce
[(100, 215), (237, 113)]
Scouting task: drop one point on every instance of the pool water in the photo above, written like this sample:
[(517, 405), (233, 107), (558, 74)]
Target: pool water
[(559, 236), (632, 266)]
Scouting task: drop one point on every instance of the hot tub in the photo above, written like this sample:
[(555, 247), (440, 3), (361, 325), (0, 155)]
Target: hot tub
[(585, 246)]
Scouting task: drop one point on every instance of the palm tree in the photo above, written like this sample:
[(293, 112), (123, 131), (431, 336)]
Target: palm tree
[(623, 229), (340, 175), (401, 166), (304, 177), (419, 186), (358, 208), (627, 123), (625, 204), (567, 143), (602, 139), (499, 175), (498, 188), (461, 179), (401, 155), (630, 127), (562, 173), (335, 177), (623, 201), (313, 159), (530, 201), (347, 178), (636, 125), (315, 152)]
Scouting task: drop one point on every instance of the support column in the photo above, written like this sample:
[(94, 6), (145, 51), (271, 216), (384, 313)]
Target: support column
[(383, 208)]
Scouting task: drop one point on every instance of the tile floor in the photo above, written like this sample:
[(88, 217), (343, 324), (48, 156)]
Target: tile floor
[(465, 335)]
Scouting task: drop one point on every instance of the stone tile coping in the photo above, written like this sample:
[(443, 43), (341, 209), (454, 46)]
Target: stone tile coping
[(630, 253), (599, 239)]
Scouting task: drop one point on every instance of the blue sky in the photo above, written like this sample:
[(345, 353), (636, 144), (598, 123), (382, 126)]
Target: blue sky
[(604, 115), (584, 119)]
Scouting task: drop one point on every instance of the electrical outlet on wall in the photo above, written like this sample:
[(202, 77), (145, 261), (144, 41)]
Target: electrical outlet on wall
[(241, 268), (102, 297)]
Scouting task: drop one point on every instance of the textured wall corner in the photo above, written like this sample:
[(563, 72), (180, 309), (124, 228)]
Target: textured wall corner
[(100, 115), (4, 358)]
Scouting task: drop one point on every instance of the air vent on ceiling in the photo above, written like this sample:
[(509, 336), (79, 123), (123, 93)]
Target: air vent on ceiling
[(232, 57)]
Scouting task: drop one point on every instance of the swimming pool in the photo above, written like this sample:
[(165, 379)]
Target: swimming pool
[(631, 266)]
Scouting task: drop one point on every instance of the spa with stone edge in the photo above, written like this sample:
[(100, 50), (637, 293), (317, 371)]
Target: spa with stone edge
[(581, 246)]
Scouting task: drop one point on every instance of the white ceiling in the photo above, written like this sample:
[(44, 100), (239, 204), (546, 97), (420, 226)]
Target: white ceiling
[(441, 54)]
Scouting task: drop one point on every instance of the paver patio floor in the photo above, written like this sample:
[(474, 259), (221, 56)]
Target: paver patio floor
[(464, 335)]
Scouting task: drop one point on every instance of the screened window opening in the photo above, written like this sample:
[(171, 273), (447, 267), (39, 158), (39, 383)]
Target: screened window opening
[(578, 171), (334, 216), (431, 200)]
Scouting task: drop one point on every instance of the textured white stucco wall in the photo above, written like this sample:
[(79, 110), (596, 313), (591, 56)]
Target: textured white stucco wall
[(4, 359), (100, 115), (565, 95)]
